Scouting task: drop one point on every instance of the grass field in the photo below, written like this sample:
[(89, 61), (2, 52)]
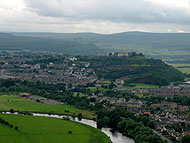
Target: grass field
[(180, 67), (80, 95), (20, 104), (184, 70), (94, 89), (144, 85), (139, 85), (47, 130)]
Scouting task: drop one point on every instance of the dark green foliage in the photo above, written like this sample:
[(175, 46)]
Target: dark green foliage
[(8, 83), (52, 91), (183, 100), (92, 99), (186, 139), (12, 111), (73, 116), (24, 113), (70, 85), (16, 128), (135, 69), (129, 125), (2, 121), (79, 116)]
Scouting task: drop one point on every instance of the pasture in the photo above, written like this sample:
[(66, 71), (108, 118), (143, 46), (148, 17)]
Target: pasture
[(21, 104), (42, 130)]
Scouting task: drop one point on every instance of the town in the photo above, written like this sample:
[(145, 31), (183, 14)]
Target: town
[(167, 106)]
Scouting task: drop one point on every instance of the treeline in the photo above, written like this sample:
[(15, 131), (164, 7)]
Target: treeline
[(46, 60), (52, 91), (2, 121), (136, 69), (135, 127), (180, 100)]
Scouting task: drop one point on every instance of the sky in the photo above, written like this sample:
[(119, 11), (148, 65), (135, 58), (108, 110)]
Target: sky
[(99, 16)]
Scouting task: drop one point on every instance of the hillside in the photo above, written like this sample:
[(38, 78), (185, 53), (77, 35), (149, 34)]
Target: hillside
[(20, 43), (158, 45), (136, 69)]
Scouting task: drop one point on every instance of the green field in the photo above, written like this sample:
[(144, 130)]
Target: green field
[(80, 95), (94, 89), (20, 104), (180, 67), (144, 85), (184, 70), (47, 130), (139, 85)]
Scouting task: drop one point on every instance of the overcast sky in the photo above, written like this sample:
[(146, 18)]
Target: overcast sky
[(100, 16)]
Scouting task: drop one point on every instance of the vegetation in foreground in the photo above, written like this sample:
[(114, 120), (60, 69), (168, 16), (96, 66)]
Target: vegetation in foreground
[(53, 91), (29, 129), (135, 127)]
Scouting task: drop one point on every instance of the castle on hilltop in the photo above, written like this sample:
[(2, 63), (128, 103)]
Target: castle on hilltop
[(123, 54)]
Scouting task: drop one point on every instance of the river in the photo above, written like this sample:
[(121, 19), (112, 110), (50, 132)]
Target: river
[(115, 137)]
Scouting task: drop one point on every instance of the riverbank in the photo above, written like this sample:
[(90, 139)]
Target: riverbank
[(115, 137), (29, 129)]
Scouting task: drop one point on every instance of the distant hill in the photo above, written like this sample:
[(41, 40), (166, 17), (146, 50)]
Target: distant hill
[(11, 42), (134, 69), (158, 45)]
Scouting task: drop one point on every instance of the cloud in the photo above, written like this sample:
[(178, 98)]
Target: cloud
[(100, 16), (132, 11)]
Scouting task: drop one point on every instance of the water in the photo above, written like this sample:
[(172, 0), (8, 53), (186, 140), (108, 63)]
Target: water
[(188, 82), (115, 137)]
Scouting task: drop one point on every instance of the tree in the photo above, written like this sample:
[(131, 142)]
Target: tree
[(186, 139), (92, 99), (12, 111), (73, 116), (70, 85), (111, 86), (8, 83), (16, 128), (80, 116)]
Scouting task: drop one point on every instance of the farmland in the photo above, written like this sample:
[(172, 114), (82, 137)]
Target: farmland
[(20, 104), (43, 130), (184, 68)]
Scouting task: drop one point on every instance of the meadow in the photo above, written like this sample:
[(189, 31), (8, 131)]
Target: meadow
[(94, 89), (21, 104), (42, 130), (80, 95), (182, 67), (184, 70), (139, 85)]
